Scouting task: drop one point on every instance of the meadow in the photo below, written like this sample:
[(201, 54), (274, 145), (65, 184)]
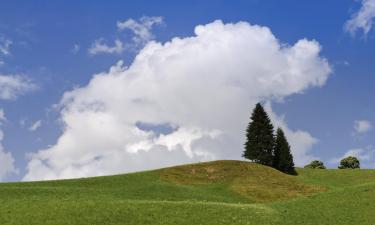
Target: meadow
[(218, 192)]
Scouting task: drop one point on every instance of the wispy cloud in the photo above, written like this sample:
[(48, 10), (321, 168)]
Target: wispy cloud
[(362, 126), (363, 19), (99, 46), (5, 46), (11, 86), (140, 29), (75, 49), (35, 125), (2, 116), (7, 163)]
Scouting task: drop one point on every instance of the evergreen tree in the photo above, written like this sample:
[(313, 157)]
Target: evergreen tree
[(259, 137), (283, 158)]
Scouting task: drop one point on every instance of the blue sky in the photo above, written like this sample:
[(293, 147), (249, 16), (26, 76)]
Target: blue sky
[(49, 52)]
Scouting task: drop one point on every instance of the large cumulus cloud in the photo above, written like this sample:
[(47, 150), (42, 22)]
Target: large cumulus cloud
[(203, 86)]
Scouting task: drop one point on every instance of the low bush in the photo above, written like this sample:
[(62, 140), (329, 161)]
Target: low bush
[(316, 164)]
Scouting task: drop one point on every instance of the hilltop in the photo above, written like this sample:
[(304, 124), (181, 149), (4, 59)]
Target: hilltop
[(218, 192)]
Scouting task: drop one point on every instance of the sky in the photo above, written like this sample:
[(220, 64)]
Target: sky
[(95, 88)]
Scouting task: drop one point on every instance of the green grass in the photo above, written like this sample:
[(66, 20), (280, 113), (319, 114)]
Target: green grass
[(220, 192)]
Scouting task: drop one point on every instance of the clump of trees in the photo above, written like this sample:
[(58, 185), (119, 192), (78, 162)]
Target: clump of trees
[(316, 164), (350, 162), (263, 147)]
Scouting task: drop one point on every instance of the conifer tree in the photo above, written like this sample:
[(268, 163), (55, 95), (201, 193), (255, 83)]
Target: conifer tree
[(259, 137), (283, 158)]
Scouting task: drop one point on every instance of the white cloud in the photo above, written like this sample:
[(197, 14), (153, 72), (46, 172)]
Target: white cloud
[(75, 48), (204, 86), (363, 19), (366, 156), (11, 86), (362, 126), (7, 166), (5, 46), (35, 125), (2, 116), (22, 122), (99, 47), (141, 28)]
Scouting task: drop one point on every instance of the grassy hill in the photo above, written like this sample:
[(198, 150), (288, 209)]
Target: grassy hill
[(219, 192)]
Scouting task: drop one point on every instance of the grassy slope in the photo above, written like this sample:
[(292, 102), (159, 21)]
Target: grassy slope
[(221, 192)]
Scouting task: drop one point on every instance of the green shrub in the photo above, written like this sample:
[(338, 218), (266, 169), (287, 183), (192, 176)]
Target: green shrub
[(316, 164), (350, 162)]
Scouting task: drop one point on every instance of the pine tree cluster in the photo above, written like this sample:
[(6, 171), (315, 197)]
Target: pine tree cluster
[(263, 147)]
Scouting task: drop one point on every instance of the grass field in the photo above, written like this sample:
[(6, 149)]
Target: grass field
[(220, 192)]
